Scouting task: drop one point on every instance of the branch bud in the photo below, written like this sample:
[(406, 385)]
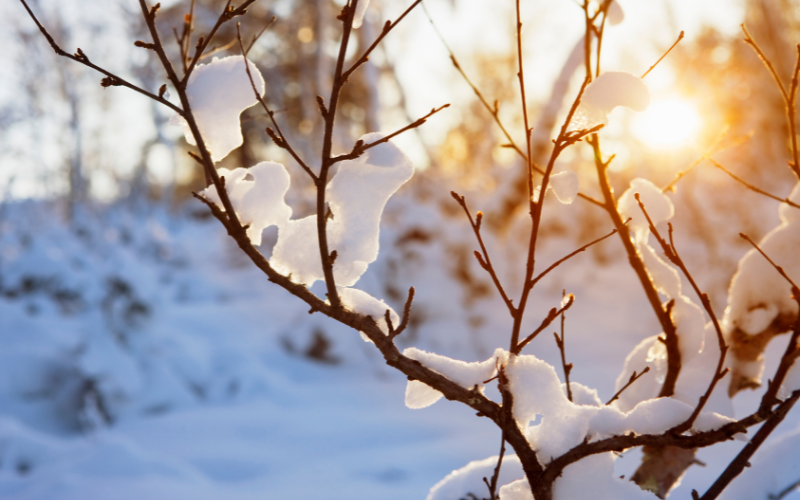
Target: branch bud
[(144, 45)]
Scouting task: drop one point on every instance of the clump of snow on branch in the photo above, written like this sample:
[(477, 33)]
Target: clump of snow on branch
[(356, 196), (698, 347), (591, 477), (469, 479), (565, 186), (361, 9), (468, 375), (615, 14), (564, 424), (606, 92), (687, 316), (538, 391), (760, 299), (218, 92), (257, 195), (363, 303)]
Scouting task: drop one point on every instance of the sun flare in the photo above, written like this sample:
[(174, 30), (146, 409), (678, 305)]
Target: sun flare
[(666, 124)]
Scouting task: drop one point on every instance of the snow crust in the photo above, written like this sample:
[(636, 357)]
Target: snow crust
[(218, 92), (467, 375), (357, 196), (606, 92), (361, 9)]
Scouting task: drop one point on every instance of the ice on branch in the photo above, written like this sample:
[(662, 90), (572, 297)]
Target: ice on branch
[(363, 303), (469, 479), (565, 186), (218, 92), (606, 92), (356, 197), (361, 9), (615, 14), (467, 375), (760, 303), (257, 194)]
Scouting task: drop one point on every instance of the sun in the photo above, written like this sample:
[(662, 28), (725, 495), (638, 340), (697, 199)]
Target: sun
[(666, 124)]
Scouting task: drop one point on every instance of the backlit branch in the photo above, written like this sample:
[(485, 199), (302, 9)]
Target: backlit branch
[(111, 80)]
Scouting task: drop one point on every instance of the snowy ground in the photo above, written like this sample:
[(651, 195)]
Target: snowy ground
[(198, 362)]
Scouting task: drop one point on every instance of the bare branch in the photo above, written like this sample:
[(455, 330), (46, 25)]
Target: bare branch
[(634, 377), (748, 185), (551, 315), (567, 367), (680, 37), (359, 148), (742, 460), (281, 141), (483, 258), (569, 256), (387, 28), (111, 79)]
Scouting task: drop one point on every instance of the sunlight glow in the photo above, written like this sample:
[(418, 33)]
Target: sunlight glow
[(666, 124)]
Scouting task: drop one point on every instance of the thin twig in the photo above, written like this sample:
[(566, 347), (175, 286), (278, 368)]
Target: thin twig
[(360, 148), (483, 258), (493, 110), (672, 254), (780, 495), (227, 14), (748, 185), (280, 140), (789, 97), (680, 37), (551, 315), (570, 255), (387, 28), (776, 266), (492, 485), (112, 80), (635, 260), (742, 460), (567, 367), (792, 352), (406, 316), (634, 377)]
